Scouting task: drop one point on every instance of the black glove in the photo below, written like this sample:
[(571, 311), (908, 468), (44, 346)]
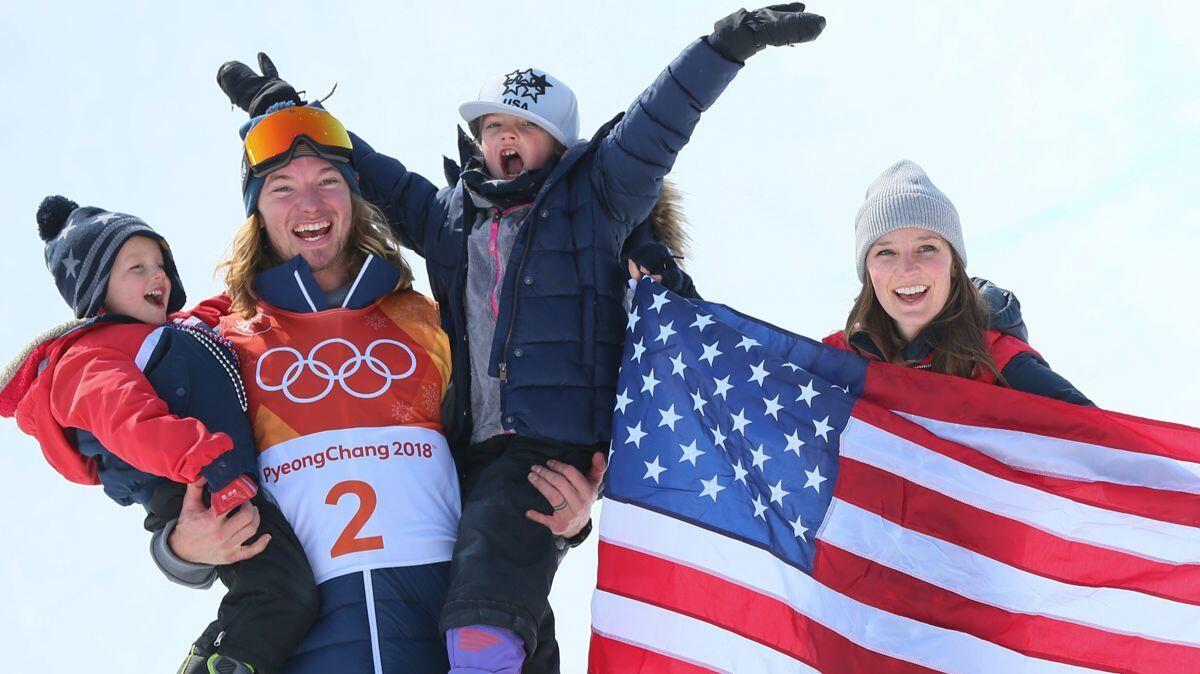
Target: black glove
[(656, 258), (252, 92), (743, 34)]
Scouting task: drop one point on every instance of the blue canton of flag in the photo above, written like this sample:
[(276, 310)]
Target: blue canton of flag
[(719, 423)]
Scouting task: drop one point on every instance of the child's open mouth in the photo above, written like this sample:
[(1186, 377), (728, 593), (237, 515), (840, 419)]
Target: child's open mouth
[(911, 294), (155, 298), (511, 163), (314, 231)]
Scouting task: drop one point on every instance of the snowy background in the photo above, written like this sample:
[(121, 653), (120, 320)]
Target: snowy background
[(1066, 133)]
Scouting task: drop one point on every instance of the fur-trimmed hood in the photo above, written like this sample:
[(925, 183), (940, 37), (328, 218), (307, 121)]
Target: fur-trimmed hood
[(18, 375), (25, 396), (668, 222)]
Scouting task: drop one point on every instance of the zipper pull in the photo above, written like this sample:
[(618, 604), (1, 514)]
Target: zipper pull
[(503, 371)]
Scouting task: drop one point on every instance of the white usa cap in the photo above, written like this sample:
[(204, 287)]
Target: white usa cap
[(531, 94)]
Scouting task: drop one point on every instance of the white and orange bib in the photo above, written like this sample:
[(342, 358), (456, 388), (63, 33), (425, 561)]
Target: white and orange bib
[(346, 410)]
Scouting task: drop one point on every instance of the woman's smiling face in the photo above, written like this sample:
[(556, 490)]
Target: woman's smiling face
[(910, 273)]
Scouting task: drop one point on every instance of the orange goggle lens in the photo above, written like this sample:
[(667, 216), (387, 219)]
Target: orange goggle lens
[(274, 138)]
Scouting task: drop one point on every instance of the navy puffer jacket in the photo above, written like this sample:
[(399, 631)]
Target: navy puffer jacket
[(561, 325)]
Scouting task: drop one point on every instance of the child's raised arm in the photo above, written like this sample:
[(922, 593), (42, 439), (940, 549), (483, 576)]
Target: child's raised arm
[(641, 149)]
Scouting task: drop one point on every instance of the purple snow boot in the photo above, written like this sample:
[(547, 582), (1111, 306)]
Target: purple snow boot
[(483, 649)]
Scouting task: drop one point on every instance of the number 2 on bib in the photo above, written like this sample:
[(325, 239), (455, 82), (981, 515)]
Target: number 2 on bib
[(348, 542)]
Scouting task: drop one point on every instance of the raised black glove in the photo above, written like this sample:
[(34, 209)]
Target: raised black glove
[(743, 34), (656, 258), (252, 92)]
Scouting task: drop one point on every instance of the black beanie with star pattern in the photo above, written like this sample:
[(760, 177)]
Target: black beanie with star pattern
[(81, 245)]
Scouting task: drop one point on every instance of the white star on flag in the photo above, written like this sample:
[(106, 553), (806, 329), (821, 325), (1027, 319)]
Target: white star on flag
[(759, 507), (698, 402), (814, 479), (702, 321), (638, 350), (759, 373), (791, 366), (653, 470), (711, 487), (794, 443), (773, 407), (740, 422), (623, 401), (747, 343), (635, 435), (677, 366), (739, 473), (760, 457), (723, 386), (822, 428), (710, 352), (807, 393), (669, 417), (718, 437), (633, 318), (649, 382), (690, 453), (660, 301), (798, 529), (665, 331), (778, 492)]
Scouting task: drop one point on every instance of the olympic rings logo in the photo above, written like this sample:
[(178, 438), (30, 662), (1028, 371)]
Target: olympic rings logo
[(347, 369)]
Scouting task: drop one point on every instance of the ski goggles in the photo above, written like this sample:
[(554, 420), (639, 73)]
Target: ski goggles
[(273, 141)]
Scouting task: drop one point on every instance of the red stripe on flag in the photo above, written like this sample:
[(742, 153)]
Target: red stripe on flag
[(609, 656), (959, 400), (1165, 506), (1037, 636), (737, 609), (1014, 543)]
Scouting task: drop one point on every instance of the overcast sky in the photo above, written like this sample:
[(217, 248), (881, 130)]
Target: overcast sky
[(1067, 134)]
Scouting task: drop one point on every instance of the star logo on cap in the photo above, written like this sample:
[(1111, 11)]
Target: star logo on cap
[(514, 82), (537, 86), (526, 84), (70, 262)]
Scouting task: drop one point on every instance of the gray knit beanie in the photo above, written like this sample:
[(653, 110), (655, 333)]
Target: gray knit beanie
[(903, 196)]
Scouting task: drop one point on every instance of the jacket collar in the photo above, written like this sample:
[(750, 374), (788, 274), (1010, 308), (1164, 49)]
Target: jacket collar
[(916, 351), (292, 287)]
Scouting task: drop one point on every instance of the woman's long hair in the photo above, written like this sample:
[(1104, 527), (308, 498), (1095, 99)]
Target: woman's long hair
[(955, 333), (251, 253)]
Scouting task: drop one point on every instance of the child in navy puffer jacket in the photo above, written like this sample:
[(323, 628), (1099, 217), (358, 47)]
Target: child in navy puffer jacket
[(526, 253), (141, 406)]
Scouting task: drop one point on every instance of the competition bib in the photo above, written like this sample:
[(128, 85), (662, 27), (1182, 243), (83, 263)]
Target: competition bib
[(365, 498)]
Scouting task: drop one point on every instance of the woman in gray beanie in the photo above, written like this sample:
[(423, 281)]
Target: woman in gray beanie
[(917, 306)]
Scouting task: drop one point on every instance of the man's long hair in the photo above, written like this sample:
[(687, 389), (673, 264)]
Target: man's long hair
[(252, 253), (955, 333)]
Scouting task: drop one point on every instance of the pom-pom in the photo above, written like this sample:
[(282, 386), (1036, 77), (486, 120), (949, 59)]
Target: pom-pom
[(53, 214)]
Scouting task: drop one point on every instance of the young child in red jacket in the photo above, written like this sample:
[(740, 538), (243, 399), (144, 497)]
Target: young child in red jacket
[(144, 406)]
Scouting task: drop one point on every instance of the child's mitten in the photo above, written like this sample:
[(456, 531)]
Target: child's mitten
[(743, 34), (657, 259)]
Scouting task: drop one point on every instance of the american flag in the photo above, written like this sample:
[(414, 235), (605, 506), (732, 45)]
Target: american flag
[(777, 505)]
